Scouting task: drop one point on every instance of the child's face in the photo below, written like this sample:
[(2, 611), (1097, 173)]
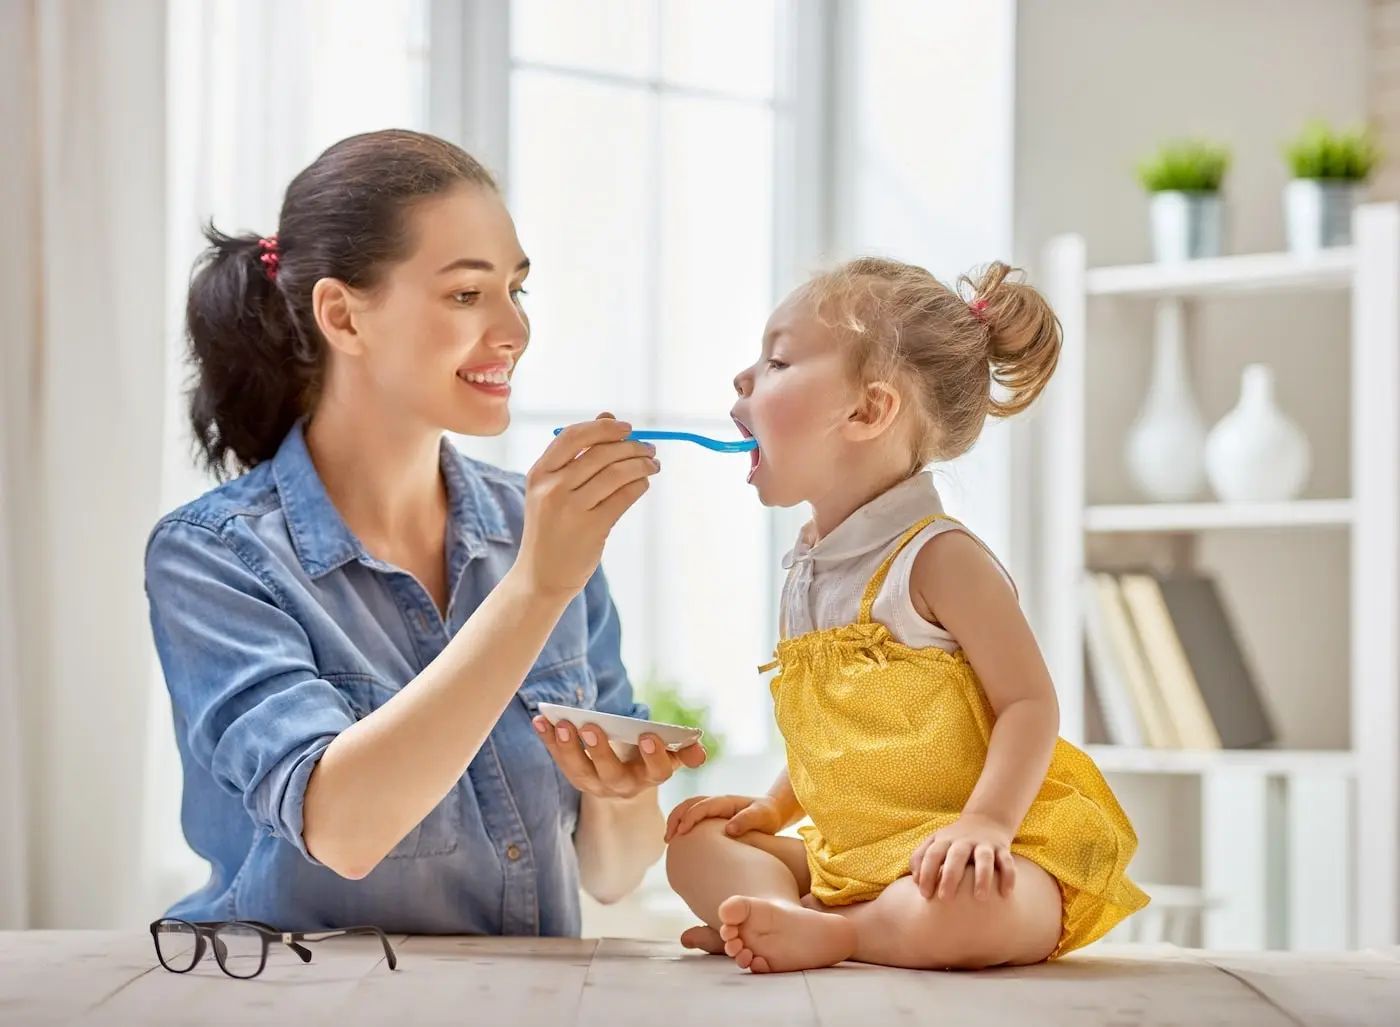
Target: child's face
[(794, 399)]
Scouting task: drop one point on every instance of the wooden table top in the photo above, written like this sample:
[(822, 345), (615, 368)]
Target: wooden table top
[(112, 979)]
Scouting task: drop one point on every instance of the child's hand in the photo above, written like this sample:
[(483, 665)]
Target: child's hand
[(743, 812), (941, 859)]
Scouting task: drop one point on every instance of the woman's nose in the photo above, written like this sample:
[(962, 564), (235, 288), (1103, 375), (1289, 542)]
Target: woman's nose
[(511, 330), (741, 383)]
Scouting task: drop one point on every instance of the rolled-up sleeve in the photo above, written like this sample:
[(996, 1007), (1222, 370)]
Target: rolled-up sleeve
[(243, 682), (605, 651)]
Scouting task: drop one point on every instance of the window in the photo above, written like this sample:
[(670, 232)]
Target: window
[(650, 148)]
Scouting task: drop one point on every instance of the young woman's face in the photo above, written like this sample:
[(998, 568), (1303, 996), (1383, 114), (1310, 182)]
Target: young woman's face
[(795, 399), (443, 335)]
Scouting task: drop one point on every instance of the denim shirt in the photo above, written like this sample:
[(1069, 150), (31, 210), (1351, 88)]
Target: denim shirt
[(276, 630)]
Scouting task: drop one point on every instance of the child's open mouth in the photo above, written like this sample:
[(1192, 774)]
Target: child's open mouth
[(755, 454)]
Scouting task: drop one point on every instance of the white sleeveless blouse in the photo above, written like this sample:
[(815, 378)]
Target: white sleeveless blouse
[(825, 581)]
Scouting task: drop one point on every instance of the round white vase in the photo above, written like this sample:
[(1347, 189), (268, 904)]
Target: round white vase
[(1165, 443), (1255, 454)]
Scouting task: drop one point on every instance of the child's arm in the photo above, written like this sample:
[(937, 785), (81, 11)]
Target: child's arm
[(956, 583)]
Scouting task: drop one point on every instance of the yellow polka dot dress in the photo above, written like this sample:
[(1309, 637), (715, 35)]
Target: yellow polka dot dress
[(885, 743)]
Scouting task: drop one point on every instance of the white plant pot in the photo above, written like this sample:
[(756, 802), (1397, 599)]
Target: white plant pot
[(1166, 441), (1186, 226), (1255, 454), (1317, 214)]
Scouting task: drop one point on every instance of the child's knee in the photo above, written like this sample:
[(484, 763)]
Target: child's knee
[(693, 848)]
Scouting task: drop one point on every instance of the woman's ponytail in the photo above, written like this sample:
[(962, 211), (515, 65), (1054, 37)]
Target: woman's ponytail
[(255, 373)]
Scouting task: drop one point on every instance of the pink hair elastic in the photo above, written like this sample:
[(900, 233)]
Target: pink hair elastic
[(979, 309), (270, 257)]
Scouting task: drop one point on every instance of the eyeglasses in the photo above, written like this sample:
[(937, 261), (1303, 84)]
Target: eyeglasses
[(240, 946)]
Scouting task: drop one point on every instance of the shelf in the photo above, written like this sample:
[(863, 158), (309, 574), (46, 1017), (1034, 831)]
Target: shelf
[(1124, 760), (1256, 272), (1190, 517)]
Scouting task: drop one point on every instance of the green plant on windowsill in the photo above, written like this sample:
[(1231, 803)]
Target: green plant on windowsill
[(669, 706), (1320, 153), (1185, 166)]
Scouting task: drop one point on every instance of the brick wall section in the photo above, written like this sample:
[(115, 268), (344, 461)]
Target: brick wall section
[(1385, 96)]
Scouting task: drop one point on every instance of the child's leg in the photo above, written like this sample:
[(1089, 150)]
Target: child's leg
[(749, 893), (902, 928)]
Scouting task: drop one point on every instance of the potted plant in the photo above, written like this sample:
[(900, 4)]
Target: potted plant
[(1187, 212), (1329, 168), (669, 706)]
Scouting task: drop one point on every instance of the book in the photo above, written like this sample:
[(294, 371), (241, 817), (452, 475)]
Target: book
[(1172, 670), (1122, 724), (1157, 727), (1222, 672)]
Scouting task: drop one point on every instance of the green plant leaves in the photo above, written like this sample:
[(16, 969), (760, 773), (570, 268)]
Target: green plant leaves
[(1319, 152), (1188, 165)]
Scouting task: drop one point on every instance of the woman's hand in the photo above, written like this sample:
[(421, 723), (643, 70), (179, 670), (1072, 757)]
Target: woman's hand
[(591, 766), (584, 481), (941, 860), (743, 812)]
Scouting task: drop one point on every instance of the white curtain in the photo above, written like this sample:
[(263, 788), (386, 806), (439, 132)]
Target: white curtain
[(82, 199), (19, 311)]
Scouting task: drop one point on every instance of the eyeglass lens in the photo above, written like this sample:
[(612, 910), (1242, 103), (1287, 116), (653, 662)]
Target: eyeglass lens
[(239, 949), (177, 944)]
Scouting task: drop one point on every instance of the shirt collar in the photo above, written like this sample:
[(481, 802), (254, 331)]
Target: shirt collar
[(873, 525), (324, 542)]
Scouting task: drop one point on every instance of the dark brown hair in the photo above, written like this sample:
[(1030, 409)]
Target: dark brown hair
[(953, 352), (258, 356)]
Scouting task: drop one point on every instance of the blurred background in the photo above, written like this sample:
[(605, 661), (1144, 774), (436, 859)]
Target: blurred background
[(1201, 515)]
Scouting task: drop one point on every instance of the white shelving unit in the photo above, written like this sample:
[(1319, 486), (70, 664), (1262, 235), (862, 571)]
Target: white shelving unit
[(1286, 885)]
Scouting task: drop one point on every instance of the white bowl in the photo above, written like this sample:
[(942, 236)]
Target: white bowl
[(623, 732)]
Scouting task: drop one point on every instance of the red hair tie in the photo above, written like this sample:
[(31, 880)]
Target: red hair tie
[(270, 258), (979, 309)]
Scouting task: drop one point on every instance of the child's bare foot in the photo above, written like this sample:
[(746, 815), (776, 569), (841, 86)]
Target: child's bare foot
[(775, 937), (704, 938)]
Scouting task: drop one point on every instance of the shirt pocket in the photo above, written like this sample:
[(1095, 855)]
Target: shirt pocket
[(569, 683), (440, 832)]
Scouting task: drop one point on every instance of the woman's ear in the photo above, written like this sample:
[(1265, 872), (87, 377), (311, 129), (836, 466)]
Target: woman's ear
[(335, 305), (876, 410)]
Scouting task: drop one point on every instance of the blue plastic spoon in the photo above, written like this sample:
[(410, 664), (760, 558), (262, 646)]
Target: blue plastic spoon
[(718, 445)]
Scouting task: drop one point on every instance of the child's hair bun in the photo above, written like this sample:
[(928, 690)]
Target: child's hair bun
[(1023, 337)]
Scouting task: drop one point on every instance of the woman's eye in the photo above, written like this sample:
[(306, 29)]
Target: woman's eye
[(466, 299), (776, 365), (517, 293)]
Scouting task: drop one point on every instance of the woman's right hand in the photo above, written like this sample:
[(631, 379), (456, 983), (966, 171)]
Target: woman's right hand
[(584, 481), (744, 813)]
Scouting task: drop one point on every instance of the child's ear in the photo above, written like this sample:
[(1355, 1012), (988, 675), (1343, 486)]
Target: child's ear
[(875, 411)]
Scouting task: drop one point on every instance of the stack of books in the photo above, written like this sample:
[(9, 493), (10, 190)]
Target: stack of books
[(1165, 666)]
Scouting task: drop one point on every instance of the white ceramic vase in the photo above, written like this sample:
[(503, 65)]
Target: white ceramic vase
[(1255, 454), (1166, 441)]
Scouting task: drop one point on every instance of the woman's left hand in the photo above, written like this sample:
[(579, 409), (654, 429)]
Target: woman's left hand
[(588, 761), (970, 842)]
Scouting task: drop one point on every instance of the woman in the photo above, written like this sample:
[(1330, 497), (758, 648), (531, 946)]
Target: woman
[(355, 632)]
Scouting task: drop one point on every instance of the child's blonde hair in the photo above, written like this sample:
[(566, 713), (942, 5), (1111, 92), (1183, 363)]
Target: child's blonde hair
[(945, 350)]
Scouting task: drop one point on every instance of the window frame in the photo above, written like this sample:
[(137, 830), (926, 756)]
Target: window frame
[(469, 95)]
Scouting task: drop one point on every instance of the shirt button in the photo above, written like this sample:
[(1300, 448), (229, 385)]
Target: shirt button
[(513, 853)]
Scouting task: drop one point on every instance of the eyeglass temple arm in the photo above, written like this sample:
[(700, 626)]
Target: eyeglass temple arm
[(296, 936)]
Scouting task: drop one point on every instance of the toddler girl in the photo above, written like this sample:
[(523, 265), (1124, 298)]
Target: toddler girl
[(950, 825)]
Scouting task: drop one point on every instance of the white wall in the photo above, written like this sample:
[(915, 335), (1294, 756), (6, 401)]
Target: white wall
[(923, 158), (1099, 83)]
